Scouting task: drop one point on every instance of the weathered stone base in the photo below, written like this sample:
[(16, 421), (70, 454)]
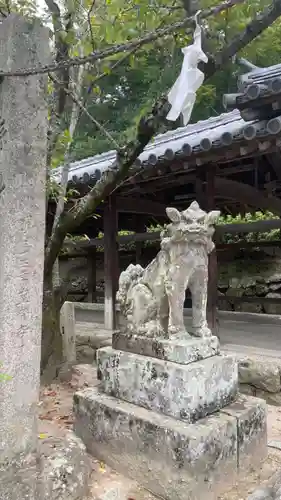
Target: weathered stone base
[(182, 350), (60, 470), (65, 469), (187, 392), (19, 478), (250, 414), (170, 458)]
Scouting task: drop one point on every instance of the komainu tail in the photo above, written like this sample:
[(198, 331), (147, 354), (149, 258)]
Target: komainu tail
[(126, 279)]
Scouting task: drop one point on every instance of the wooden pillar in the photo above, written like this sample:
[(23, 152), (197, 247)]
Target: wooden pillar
[(199, 189), (212, 304), (140, 228), (92, 275), (110, 262)]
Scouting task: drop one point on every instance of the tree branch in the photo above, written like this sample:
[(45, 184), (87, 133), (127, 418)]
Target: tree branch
[(110, 179), (59, 94), (64, 176), (89, 13), (72, 126), (116, 49), (82, 108), (252, 30), (114, 66), (62, 289)]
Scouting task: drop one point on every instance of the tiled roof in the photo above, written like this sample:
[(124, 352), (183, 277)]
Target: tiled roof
[(217, 132), (261, 75)]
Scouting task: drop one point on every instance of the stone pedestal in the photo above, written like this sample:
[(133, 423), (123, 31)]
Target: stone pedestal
[(170, 416), (187, 392), (182, 350)]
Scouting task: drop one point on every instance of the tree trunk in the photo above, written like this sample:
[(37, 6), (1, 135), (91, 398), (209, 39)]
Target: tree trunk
[(51, 351)]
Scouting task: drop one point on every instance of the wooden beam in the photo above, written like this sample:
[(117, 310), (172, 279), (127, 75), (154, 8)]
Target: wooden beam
[(244, 245), (247, 194), (245, 298), (110, 262), (244, 149), (261, 226), (233, 170), (140, 206), (163, 183), (128, 238)]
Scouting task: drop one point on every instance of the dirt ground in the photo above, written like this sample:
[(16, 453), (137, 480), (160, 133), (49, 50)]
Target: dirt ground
[(56, 416)]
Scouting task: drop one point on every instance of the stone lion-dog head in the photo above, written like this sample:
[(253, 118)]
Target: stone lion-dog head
[(191, 225)]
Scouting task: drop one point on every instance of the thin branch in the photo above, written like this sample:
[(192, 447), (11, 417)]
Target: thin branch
[(64, 176), (115, 65), (72, 127), (99, 55), (8, 7), (93, 120), (89, 13), (82, 108), (118, 63), (59, 95), (102, 75)]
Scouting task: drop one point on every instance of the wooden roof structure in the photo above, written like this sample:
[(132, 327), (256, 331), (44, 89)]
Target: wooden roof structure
[(241, 149)]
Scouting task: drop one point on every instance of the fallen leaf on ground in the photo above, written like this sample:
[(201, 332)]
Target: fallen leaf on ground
[(49, 393), (43, 436), (67, 419), (102, 467), (48, 416)]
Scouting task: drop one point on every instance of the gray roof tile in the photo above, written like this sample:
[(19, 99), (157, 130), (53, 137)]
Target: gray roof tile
[(198, 137)]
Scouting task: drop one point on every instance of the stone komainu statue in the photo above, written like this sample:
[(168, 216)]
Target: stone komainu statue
[(152, 299)]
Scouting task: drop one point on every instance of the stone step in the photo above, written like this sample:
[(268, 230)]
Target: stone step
[(183, 350), (186, 392), (172, 459)]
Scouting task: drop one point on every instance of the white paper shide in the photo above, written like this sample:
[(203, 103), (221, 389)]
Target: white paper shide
[(182, 95)]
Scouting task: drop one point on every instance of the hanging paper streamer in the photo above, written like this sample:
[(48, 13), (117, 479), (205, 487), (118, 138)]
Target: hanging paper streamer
[(182, 95)]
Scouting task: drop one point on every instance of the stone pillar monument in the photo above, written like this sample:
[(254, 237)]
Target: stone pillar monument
[(167, 412), (23, 106)]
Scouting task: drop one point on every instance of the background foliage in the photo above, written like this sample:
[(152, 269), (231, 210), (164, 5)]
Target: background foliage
[(125, 93)]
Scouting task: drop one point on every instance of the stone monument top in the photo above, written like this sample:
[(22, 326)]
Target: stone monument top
[(152, 298)]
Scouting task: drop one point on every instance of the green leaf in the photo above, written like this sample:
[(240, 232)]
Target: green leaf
[(4, 377)]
